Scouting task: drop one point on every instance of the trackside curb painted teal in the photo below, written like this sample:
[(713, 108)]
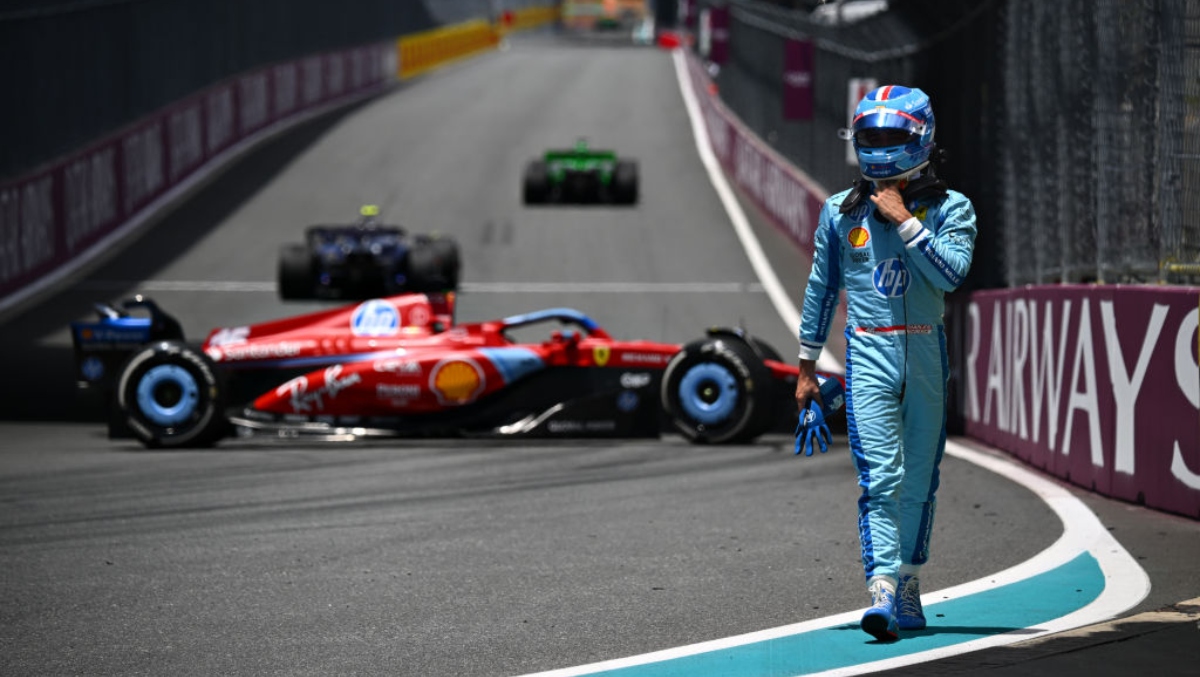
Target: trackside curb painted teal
[(1084, 577), (1008, 608)]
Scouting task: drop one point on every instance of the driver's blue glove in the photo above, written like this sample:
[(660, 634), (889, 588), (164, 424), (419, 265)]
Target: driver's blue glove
[(811, 430)]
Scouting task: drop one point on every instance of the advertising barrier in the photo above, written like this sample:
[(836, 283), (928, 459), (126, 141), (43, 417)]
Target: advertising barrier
[(1095, 384), (786, 195), (68, 211), (71, 210)]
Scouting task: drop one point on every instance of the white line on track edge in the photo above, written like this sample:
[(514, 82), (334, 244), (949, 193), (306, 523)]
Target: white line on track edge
[(741, 225), (1126, 583)]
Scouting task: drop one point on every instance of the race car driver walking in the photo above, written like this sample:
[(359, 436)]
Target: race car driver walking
[(896, 242)]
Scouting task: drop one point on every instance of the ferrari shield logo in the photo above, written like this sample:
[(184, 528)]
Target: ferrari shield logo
[(600, 355)]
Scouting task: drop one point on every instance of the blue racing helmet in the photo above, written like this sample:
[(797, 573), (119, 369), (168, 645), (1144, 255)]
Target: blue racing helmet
[(892, 132)]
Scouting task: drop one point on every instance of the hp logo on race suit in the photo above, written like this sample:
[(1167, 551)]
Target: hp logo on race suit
[(890, 278), (375, 318)]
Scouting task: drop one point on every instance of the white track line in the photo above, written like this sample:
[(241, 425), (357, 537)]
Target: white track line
[(1126, 584), (741, 225)]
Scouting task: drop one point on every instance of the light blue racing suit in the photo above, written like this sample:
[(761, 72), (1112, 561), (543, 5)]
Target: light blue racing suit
[(896, 364)]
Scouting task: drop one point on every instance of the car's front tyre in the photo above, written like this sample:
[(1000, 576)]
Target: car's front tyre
[(170, 395)]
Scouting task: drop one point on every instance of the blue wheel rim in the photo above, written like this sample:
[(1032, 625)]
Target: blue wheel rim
[(708, 392), (167, 414)]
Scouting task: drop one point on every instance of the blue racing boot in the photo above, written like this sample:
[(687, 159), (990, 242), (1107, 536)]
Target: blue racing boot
[(909, 613), (880, 620)]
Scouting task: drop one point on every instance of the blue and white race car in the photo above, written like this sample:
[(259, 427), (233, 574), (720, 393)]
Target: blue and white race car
[(365, 260)]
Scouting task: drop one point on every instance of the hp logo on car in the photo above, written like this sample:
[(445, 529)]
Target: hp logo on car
[(375, 318), (891, 278)]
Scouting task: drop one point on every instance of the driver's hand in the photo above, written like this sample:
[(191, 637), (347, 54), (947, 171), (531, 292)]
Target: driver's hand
[(807, 390), (890, 203)]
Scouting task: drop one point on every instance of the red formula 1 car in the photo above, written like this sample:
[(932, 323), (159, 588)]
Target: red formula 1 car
[(401, 366)]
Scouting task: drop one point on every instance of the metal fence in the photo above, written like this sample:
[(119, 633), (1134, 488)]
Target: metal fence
[(1100, 183), (1073, 125)]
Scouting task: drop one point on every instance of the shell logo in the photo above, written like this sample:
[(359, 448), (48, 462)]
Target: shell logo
[(858, 237), (457, 381)]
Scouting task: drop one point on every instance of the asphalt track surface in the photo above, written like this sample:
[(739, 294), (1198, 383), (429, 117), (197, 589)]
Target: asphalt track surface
[(459, 557)]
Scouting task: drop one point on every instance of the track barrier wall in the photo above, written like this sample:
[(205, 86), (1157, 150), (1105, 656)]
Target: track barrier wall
[(531, 17), (783, 192), (79, 205), (425, 51), (72, 209), (1095, 384), (421, 52)]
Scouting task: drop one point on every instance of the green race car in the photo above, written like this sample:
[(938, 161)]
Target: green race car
[(581, 175)]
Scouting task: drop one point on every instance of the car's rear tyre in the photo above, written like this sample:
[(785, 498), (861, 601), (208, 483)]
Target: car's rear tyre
[(625, 182), (449, 255), (297, 275), (716, 390), (434, 265), (169, 395), (536, 183)]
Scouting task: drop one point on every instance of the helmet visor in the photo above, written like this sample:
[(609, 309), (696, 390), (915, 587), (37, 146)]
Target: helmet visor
[(883, 137)]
